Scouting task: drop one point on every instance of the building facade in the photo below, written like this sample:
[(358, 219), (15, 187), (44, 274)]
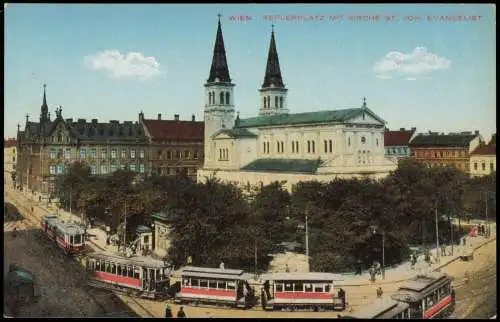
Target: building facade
[(279, 146), (48, 147), (175, 146), (9, 160), (397, 142), (483, 160), (439, 149)]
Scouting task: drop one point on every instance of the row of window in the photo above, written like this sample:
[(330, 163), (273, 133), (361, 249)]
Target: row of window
[(399, 151), (301, 287), (438, 154), (172, 171), (436, 296), (92, 153), (209, 284), (483, 166), (311, 146), (222, 95), (170, 155), (278, 101), (123, 270), (103, 169), (224, 154)]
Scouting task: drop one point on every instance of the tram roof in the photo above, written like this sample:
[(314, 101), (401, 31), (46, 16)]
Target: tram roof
[(380, 308), (69, 228), (302, 276), (420, 282), (194, 271), (135, 260)]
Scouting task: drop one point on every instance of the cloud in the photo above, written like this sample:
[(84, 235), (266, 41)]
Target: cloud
[(130, 65), (417, 64)]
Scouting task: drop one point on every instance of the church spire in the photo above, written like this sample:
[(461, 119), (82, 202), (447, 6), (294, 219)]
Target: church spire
[(44, 115), (273, 72), (219, 68)]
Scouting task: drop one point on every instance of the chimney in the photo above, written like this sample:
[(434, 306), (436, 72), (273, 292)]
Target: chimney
[(141, 117), (402, 129), (94, 121), (159, 116), (413, 129), (476, 132), (193, 118), (69, 121), (82, 121), (176, 117)]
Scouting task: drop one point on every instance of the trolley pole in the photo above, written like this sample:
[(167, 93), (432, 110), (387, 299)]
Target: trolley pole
[(307, 244), (451, 235), (125, 226), (437, 232), (383, 254), (255, 256)]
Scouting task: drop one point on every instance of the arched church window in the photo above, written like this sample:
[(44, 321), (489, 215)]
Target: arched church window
[(59, 138), (348, 141), (281, 101), (264, 145), (221, 97), (268, 101), (210, 98), (377, 142), (265, 102), (227, 98), (267, 146), (363, 140), (213, 97), (276, 101)]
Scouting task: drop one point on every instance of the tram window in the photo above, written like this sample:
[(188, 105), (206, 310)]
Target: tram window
[(108, 267), (113, 269), (195, 282), (158, 273), (231, 285), (124, 270), (279, 287), (309, 287), (221, 285), (136, 272), (151, 274), (130, 273), (318, 288), (119, 270), (77, 239), (288, 287), (298, 287), (186, 282), (203, 283), (212, 284), (97, 266), (327, 288)]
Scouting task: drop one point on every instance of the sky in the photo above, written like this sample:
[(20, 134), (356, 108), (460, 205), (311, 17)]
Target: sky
[(427, 66)]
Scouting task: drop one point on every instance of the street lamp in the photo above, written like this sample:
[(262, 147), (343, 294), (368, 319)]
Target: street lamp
[(306, 226), (374, 231)]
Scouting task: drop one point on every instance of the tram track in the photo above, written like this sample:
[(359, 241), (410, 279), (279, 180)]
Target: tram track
[(31, 222)]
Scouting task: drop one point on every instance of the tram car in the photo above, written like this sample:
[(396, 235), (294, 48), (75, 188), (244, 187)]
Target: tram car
[(215, 286), (382, 308), (301, 291), (430, 296), (140, 276), (69, 237)]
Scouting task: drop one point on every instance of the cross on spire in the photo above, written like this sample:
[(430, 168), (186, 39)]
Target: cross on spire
[(272, 27), (364, 101), (219, 15)]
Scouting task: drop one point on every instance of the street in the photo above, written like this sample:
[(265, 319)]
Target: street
[(64, 292)]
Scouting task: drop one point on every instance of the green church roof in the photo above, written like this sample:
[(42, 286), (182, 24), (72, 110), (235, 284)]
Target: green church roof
[(236, 133), (301, 118), (283, 165)]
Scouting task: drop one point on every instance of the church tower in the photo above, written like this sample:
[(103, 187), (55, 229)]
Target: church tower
[(219, 98), (273, 92), (44, 114)]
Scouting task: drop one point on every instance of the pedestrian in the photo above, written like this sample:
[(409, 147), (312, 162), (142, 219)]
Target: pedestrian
[(107, 240), (464, 241), (168, 312), (443, 250), (372, 273), (181, 313), (379, 292), (341, 295), (39, 198), (14, 232)]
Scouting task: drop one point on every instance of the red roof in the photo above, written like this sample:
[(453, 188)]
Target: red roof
[(490, 149), (397, 138), (9, 143), (175, 130)]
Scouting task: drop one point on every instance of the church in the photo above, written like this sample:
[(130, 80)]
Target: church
[(278, 145)]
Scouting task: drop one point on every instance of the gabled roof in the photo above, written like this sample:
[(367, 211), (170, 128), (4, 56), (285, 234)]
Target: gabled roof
[(336, 116), (489, 149), (175, 130), (397, 138), (236, 133), (283, 165), (442, 140), (10, 142)]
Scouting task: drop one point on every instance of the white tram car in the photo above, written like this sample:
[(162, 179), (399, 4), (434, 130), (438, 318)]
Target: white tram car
[(301, 291), (215, 286), (69, 237)]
